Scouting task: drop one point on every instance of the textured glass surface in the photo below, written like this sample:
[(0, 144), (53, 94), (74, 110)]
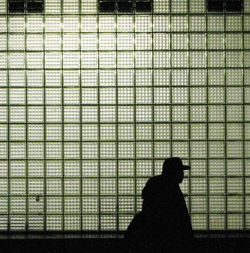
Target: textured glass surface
[(92, 103)]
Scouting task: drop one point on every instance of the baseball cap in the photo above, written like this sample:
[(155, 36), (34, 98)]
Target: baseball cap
[(174, 163)]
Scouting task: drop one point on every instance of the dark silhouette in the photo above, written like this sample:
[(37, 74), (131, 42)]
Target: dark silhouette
[(163, 225)]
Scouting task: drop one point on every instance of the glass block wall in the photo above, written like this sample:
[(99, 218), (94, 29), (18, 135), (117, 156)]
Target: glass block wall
[(92, 103)]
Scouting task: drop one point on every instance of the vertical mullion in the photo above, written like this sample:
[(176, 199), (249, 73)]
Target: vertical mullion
[(62, 114), (116, 131), (8, 123), (244, 132), (134, 102), (189, 123), (171, 85), (207, 126), (153, 89), (27, 124), (44, 133), (225, 121), (80, 100), (98, 123)]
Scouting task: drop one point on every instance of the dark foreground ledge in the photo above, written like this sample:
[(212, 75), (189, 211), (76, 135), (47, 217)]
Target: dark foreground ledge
[(206, 242)]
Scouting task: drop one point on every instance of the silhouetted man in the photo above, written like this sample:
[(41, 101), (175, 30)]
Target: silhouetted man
[(163, 225)]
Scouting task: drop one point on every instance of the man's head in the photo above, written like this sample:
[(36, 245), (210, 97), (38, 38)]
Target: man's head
[(173, 169)]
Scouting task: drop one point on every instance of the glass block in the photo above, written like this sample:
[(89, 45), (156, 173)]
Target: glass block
[(234, 149), (53, 132), (126, 186), (198, 131), (72, 186), (17, 205), (198, 59), (17, 168), (16, 24), (53, 96), (54, 150), (88, 41), (89, 60), (216, 167), (180, 131), (215, 23), (143, 77), (3, 41), (233, 23), (179, 6), (108, 168), (53, 23), (235, 221), (143, 149), (197, 41), (52, 41), (179, 77), (125, 24), (53, 60), (54, 187), (3, 78), (143, 23), (143, 95), (126, 168), (180, 113), (216, 95), (89, 150), (161, 6), (126, 150), (108, 150), (54, 223), (71, 6), (216, 113), (179, 41), (198, 95), (179, 59), (89, 114), (197, 23), (144, 168), (70, 24), (108, 114), (216, 59), (34, 24), (143, 41), (180, 149), (89, 7), (125, 113), (198, 204), (17, 114), (198, 149), (234, 113), (216, 149), (215, 41), (179, 23), (108, 222), (234, 95), (72, 150), (35, 151), (235, 204), (107, 23), (125, 41), (125, 60), (89, 77), (90, 132), (16, 60), (234, 41), (35, 78), (108, 204), (234, 59), (161, 149), (107, 41), (217, 186), (143, 113), (90, 168), (217, 221), (107, 132), (125, 95), (71, 96), (53, 7), (17, 150)]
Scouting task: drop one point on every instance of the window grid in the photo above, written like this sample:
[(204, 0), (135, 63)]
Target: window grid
[(43, 108)]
